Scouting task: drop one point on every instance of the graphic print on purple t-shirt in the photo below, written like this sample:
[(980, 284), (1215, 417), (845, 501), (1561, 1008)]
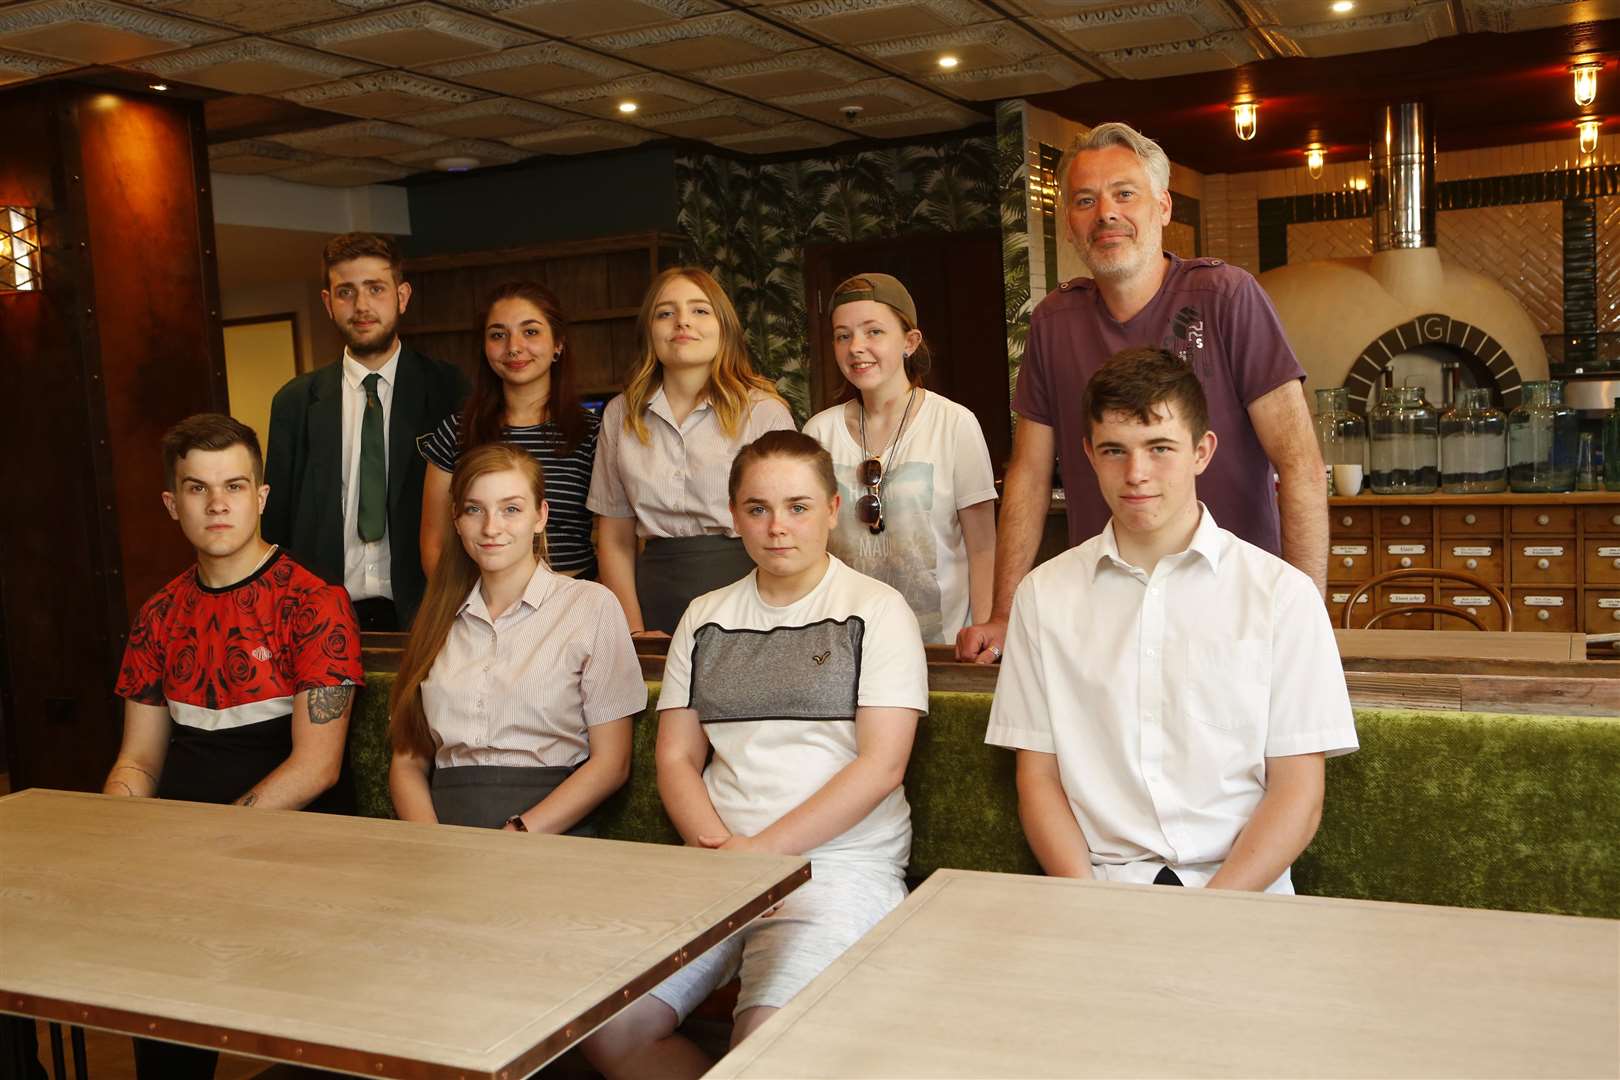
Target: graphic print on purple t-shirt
[(1213, 316)]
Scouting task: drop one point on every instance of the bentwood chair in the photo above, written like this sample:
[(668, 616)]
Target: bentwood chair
[(1434, 573)]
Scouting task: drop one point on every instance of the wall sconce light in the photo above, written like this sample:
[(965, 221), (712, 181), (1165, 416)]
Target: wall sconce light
[(1313, 161), (1586, 82), (1246, 117), (19, 249), (1588, 127)]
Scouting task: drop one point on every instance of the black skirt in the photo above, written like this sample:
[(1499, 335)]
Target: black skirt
[(485, 796), (672, 572)]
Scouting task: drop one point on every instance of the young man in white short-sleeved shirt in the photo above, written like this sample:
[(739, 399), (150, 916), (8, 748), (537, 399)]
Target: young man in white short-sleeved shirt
[(1171, 690), (790, 700)]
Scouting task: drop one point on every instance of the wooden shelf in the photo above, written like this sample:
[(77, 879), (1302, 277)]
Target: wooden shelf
[(1501, 498)]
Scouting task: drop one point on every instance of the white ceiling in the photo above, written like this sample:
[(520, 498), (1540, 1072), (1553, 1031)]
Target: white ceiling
[(500, 80)]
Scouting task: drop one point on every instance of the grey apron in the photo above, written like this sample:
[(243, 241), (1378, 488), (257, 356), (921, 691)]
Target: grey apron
[(672, 572), (484, 796)]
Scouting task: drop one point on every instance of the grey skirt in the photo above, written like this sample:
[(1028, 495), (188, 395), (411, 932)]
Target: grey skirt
[(485, 796), (672, 572)]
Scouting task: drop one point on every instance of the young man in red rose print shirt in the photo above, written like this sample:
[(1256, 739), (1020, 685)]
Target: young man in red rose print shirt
[(239, 674)]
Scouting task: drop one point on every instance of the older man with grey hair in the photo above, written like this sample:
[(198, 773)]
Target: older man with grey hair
[(1214, 316)]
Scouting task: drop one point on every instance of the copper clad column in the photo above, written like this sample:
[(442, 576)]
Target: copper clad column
[(1403, 178)]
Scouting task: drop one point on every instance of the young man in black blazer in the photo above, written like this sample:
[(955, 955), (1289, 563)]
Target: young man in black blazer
[(344, 473)]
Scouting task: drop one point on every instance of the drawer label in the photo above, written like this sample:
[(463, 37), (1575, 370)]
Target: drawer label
[(1609, 552), (1544, 601), (1408, 598), (1344, 598), (1609, 603), (1361, 549), (1471, 601), (1407, 549), (1546, 549), (1480, 552)]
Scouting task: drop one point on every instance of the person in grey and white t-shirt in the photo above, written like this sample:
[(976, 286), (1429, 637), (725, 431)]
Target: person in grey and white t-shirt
[(806, 680)]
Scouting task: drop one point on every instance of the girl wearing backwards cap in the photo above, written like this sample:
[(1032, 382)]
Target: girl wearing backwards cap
[(912, 466)]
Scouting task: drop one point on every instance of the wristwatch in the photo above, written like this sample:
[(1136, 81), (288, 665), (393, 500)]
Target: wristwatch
[(516, 821)]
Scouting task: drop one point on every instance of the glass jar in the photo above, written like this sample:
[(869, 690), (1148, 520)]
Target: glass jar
[(1405, 443), (1340, 433), (1541, 439), (1611, 448), (1473, 445)]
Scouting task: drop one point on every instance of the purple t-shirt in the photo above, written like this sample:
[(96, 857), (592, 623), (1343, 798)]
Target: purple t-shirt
[(1212, 315)]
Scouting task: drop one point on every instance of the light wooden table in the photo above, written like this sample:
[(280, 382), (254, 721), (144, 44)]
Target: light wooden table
[(374, 947), (1376, 644), (993, 975)]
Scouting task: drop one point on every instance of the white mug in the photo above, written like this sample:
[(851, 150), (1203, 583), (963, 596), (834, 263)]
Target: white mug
[(1347, 479)]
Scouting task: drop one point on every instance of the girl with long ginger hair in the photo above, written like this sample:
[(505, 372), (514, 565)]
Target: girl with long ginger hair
[(524, 394), (518, 686), (665, 447)]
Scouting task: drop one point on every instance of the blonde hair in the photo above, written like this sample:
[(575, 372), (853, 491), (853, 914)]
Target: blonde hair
[(453, 579), (732, 378)]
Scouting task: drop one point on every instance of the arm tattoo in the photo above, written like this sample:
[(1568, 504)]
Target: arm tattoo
[(137, 768), (327, 703), (249, 799)]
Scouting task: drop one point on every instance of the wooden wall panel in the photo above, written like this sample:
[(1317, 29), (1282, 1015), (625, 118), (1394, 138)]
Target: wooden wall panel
[(122, 342)]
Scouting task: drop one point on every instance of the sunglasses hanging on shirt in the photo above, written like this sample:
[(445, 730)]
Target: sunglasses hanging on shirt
[(869, 507)]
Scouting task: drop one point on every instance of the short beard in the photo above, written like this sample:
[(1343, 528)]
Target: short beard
[(357, 349)]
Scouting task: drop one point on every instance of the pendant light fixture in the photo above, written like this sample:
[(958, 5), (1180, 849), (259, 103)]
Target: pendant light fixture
[(1246, 118), (1314, 157), (1586, 82), (1588, 127)]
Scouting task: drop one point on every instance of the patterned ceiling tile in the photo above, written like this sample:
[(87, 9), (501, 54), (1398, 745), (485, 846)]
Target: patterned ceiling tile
[(410, 36), (482, 151), (382, 95), (851, 22), (493, 118), (1218, 51), (728, 37), (96, 32), (250, 65), (255, 156), (1305, 12), (255, 16), (804, 135), (990, 44), (726, 116), (874, 97), (943, 116), (1390, 30), (1131, 26), (531, 69), (585, 18), (799, 72), (652, 93), (345, 172), (1503, 16), (583, 137), (15, 67), (1038, 76), (359, 138)]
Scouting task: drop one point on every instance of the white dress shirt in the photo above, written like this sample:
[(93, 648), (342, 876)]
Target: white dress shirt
[(523, 689), (1162, 695), (367, 571), (675, 484)]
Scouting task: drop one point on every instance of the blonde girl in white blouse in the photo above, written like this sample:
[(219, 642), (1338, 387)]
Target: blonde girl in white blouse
[(518, 686)]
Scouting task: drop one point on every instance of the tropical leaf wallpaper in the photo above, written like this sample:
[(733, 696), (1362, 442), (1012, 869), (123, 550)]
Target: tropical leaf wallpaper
[(749, 222), (1012, 180)]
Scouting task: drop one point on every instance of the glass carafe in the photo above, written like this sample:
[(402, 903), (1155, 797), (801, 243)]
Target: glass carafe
[(1541, 439), (1340, 433), (1473, 445), (1611, 448), (1405, 443)]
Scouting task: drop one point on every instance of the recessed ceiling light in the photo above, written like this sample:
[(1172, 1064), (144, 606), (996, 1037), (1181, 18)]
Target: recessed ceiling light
[(1343, 7), (456, 164), (628, 106), (948, 62), (157, 86)]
